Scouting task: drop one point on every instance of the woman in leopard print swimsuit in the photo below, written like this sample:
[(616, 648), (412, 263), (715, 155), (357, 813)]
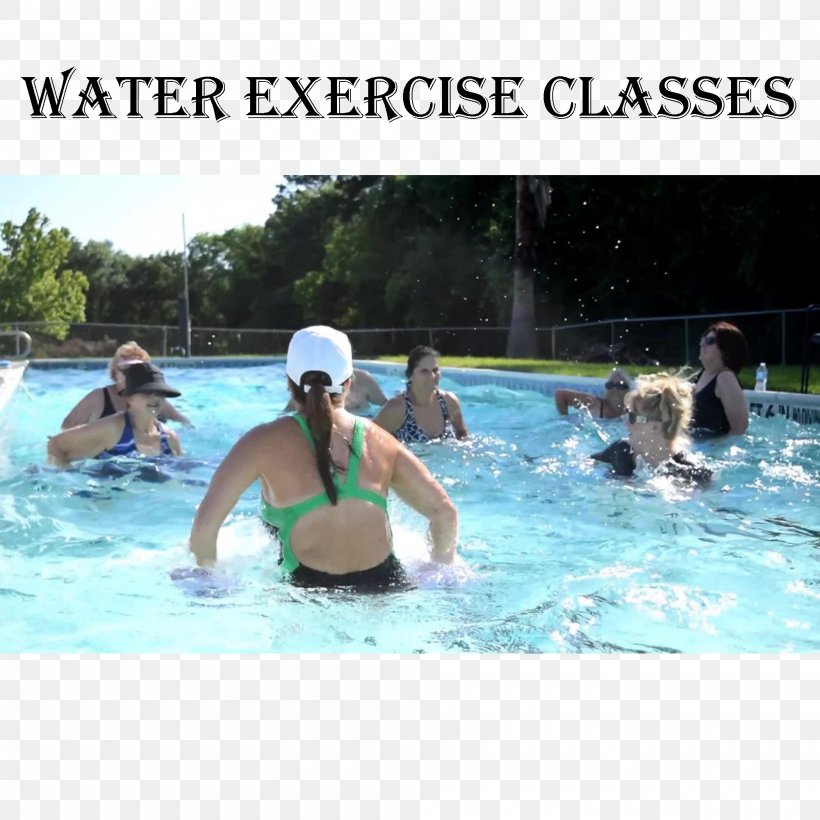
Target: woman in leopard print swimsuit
[(422, 412)]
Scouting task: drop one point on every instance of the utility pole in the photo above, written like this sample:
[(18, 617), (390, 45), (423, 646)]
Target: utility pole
[(185, 302)]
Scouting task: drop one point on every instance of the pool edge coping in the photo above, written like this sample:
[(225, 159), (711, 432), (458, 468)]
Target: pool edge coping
[(801, 407)]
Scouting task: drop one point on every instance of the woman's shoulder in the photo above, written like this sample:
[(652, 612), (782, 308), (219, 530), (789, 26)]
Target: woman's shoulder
[(375, 431), (283, 426), (727, 380), (397, 400), (116, 420), (393, 409), (727, 376), (94, 397)]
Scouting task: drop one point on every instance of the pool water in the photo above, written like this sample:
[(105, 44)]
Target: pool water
[(553, 556)]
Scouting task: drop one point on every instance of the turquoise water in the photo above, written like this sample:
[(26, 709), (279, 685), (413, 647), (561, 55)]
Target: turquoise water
[(554, 556)]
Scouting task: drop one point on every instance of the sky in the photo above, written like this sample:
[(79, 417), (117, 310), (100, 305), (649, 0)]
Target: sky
[(139, 215)]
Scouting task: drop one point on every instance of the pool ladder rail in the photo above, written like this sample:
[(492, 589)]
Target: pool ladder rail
[(18, 336)]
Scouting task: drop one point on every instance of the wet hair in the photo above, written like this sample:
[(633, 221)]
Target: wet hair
[(666, 398), (318, 408), (416, 355), (731, 343), (128, 350)]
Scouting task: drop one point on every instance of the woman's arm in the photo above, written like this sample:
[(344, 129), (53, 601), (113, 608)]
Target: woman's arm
[(233, 476), (86, 441), (454, 408), (391, 416), (415, 485), (174, 442), (730, 393), (372, 390), (564, 399), (87, 409), (170, 412)]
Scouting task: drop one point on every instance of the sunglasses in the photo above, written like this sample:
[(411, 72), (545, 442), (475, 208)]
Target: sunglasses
[(708, 341), (616, 386), (634, 418)]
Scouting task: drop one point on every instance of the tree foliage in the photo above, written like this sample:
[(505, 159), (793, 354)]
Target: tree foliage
[(401, 251), (35, 284)]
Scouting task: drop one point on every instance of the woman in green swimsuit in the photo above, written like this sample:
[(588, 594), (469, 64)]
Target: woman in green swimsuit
[(325, 475)]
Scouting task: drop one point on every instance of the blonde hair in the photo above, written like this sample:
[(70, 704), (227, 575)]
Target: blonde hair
[(665, 397), (129, 350)]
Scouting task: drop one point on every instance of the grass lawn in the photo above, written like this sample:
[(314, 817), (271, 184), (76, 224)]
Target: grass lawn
[(781, 377)]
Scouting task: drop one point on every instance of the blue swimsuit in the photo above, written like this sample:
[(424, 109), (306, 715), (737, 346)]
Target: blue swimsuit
[(410, 432), (128, 444)]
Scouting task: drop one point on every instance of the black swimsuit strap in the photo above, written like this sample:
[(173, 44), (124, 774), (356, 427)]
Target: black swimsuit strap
[(108, 404)]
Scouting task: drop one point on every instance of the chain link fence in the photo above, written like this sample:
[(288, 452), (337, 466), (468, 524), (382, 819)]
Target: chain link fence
[(776, 337)]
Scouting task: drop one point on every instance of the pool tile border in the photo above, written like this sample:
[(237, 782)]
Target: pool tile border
[(804, 409)]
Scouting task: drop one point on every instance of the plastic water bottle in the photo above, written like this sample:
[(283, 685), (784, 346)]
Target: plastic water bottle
[(762, 377)]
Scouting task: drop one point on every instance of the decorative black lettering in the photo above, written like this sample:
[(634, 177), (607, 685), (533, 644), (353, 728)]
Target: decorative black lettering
[(254, 95), (549, 100), (735, 95), (336, 94), (303, 98), (133, 84), (501, 94), (586, 100), (635, 97), (779, 96), (164, 94), (471, 96), (668, 94), (201, 97), (55, 100), (702, 94), (409, 103), (374, 96)]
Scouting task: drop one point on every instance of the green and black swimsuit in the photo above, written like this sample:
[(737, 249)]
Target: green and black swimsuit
[(281, 521)]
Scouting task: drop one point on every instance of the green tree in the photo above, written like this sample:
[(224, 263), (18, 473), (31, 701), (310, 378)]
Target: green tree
[(154, 286), (407, 251), (107, 273), (228, 278), (34, 285)]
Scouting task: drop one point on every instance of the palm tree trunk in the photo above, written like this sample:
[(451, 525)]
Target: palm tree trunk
[(532, 199)]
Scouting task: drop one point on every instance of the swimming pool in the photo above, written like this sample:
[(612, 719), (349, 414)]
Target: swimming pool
[(554, 556)]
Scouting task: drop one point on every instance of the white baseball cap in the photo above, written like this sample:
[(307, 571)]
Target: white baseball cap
[(323, 349)]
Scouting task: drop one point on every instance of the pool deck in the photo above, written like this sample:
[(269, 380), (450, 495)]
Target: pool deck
[(799, 407)]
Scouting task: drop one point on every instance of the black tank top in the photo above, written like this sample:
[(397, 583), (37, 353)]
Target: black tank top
[(108, 405), (708, 416)]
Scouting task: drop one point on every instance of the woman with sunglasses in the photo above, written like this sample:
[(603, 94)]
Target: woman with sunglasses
[(658, 412), (108, 400), (720, 407), (609, 406)]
